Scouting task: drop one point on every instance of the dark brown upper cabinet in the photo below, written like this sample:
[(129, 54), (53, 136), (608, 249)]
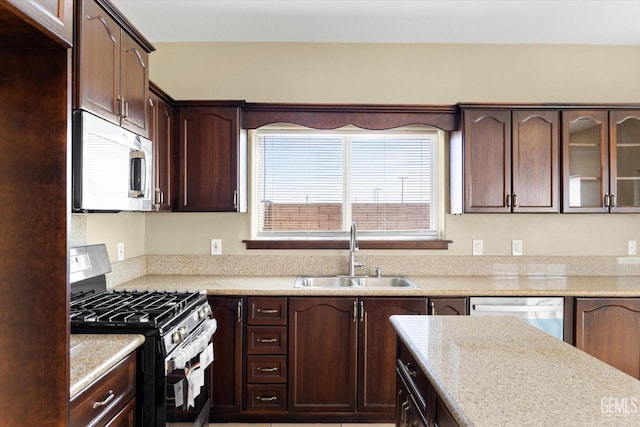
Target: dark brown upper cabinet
[(54, 17), (161, 131), (624, 161), (601, 161), (511, 160), (112, 67), (210, 161)]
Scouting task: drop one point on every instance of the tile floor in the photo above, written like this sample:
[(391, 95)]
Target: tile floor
[(287, 425)]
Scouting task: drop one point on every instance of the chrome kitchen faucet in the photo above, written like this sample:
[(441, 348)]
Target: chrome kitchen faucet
[(353, 247)]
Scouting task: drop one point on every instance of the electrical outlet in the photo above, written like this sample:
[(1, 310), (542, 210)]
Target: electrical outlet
[(477, 247), (216, 247), (516, 247), (120, 251), (632, 247)]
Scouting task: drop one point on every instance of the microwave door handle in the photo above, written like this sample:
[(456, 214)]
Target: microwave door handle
[(137, 175)]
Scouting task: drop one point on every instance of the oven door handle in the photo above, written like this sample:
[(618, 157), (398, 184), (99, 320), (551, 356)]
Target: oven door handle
[(195, 345)]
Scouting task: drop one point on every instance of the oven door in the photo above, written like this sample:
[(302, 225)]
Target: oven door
[(188, 375)]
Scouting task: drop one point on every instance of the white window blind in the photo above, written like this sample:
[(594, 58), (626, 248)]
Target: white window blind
[(315, 184)]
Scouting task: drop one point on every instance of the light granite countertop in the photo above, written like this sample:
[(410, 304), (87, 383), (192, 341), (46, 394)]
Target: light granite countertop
[(500, 371), (601, 286), (93, 355)]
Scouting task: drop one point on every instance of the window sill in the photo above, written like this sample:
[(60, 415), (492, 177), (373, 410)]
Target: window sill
[(344, 244)]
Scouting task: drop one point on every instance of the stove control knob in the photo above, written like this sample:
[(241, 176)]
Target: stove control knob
[(176, 337), (204, 312)]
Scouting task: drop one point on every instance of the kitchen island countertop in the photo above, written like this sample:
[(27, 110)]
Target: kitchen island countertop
[(597, 286), (500, 371), (93, 355)]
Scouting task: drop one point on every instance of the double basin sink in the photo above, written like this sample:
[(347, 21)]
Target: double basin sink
[(333, 282)]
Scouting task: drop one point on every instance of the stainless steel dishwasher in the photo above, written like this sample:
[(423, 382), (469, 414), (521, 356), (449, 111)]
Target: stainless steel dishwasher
[(544, 313)]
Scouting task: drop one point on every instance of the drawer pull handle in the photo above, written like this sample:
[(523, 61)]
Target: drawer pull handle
[(268, 310), (267, 340), (410, 370), (274, 369), (267, 398), (105, 401)]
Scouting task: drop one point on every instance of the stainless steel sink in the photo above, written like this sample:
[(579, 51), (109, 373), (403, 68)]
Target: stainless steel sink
[(385, 282), (323, 282), (329, 282)]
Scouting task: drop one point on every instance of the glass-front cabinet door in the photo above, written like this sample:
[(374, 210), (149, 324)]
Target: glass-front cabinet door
[(624, 140), (585, 161)]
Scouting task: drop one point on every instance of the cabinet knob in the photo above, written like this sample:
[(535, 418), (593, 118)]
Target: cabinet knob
[(267, 340), (268, 310)]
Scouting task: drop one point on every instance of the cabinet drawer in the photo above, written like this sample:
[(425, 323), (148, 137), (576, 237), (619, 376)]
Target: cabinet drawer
[(413, 375), (266, 398), (103, 399), (266, 369), (266, 340), (267, 311)]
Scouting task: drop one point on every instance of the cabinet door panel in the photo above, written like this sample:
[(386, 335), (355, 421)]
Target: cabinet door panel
[(535, 161), (226, 374), (208, 159), (624, 158), (322, 354), (487, 160), (98, 54), (55, 16), (448, 306), (134, 85), (161, 121), (585, 161), (607, 328), (377, 350)]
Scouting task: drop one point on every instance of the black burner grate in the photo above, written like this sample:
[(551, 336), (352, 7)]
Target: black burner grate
[(132, 308)]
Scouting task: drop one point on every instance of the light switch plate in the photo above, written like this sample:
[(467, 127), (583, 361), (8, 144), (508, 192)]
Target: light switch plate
[(632, 248), (516, 247), (477, 247), (120, 251), (216, 246)]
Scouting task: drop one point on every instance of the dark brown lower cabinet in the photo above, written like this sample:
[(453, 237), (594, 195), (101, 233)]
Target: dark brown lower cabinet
[(448, 306), (332, 339), (607, 328), (417, 402), (110, 400), (226, 371), (322, 354), (407, 412)]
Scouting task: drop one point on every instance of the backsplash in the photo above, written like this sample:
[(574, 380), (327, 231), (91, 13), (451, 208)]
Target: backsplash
[(409, 265)]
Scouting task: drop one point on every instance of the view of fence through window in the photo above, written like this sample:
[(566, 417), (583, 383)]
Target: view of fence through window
[(318, 183)]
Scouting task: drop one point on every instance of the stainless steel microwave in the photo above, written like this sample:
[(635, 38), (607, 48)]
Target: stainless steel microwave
[(112, 168)]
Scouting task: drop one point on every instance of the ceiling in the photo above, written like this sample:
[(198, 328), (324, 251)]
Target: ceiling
[(600, 22)]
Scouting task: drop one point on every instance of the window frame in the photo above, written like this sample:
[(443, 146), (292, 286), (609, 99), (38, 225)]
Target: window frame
[(340, 239)]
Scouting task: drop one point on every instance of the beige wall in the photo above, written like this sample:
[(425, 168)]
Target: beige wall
[(111, 229), (394, 74)]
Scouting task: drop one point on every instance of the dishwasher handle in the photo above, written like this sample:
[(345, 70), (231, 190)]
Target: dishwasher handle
[(518, 308)]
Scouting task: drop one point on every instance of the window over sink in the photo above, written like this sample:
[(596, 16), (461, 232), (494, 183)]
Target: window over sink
[(311, 184)]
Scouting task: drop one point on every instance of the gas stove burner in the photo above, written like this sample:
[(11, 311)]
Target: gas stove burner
[(128, 308)]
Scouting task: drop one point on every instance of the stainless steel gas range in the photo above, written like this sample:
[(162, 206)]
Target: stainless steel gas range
[(173, 365)]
